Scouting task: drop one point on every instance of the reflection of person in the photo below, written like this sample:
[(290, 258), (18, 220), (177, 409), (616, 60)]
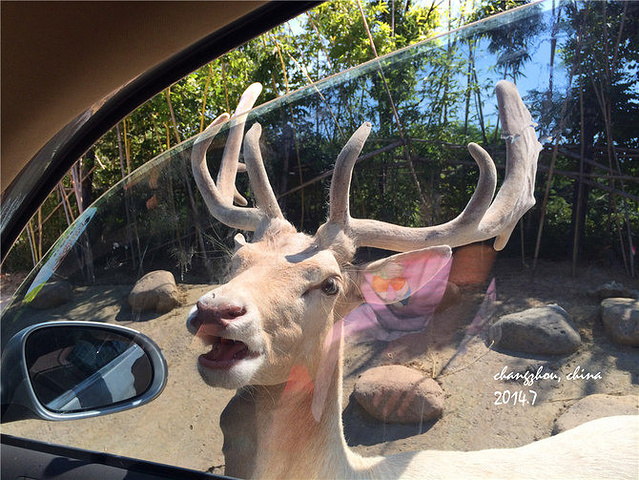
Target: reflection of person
[(401, 294), (142, 375), (391, 286), (90, 357), (115, 371)]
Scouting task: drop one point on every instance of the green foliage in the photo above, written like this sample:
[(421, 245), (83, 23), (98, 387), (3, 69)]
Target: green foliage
[(437, 101)]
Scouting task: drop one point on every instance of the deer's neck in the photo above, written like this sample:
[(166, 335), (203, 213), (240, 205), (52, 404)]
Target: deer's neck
[(296, 437)]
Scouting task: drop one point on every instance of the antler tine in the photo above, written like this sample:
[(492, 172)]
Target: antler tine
[(374, 233), (264, 196), (342, 174), (457, 232), (231, 155), (218, 200), (480, 220), (516, 195)]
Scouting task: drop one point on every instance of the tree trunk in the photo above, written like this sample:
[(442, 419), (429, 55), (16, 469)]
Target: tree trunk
[(87, 179), (582, 188)]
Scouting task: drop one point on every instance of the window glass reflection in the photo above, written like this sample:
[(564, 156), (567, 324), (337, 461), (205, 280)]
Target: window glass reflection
[(75, 369)]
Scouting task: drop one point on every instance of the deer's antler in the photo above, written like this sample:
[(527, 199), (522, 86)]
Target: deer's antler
[(481, 219), (264, 195), (219, 197)]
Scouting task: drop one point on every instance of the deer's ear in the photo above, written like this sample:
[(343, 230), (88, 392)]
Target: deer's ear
[(391, 279), (240, 241)]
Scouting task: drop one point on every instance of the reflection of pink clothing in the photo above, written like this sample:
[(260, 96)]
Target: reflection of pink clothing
[(389, 314)]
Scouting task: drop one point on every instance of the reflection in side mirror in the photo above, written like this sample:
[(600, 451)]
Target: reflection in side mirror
[(66, 370), (74, 369)]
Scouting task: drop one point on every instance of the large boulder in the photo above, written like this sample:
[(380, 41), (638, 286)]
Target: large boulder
[(397, 394), (613, 290), (472, 264), (596, 406), (547, 330), (620, 317), (156, 292), (52, 294)]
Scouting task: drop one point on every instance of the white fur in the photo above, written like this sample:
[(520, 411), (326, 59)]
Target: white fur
[(290, 425), (287, 318)]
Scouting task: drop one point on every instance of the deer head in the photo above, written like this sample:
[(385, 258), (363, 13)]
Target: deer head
[(287, 287)]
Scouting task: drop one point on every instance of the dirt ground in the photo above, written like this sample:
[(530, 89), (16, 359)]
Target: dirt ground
[(181, 426), (9, 282)]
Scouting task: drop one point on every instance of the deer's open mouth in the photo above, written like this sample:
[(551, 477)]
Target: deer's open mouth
[(225, 353)]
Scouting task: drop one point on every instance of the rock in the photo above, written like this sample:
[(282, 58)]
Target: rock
[(613, 290), (596, 406), (472, 264), (52, 294), (620, 317), (156, 291), (398, 394), (545, 330)]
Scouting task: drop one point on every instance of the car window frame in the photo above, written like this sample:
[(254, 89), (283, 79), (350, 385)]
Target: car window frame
[(33, 184)]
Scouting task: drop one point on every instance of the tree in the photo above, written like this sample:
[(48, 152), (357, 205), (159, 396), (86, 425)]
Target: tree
[(600, 125)]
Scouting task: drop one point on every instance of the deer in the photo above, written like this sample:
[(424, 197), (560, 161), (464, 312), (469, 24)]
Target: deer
[(275, 329)]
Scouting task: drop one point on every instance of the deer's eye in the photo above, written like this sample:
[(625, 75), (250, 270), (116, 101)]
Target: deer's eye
[(330, 286)]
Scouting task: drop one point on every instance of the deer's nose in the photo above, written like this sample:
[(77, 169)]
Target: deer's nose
[(220, 314)]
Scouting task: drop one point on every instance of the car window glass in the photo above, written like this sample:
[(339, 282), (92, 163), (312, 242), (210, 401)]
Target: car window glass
[(414, 170)]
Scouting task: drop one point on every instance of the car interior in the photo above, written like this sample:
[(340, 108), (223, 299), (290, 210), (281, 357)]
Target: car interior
[(70, 71)]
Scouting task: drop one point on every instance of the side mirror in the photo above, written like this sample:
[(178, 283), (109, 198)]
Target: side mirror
[(69, 370)]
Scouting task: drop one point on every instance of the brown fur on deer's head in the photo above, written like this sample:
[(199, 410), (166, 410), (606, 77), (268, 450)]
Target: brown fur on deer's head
[(286, 289)]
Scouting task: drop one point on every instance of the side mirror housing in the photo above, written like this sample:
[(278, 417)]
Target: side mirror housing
[(69, 370)]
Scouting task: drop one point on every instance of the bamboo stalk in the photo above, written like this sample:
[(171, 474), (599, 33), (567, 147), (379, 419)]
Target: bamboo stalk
[(76, 184), (127, 147), (31, 241), (127, 202), (224, 81), (562, 122), (71, 215), (204, 95), (319, 93), (157, 134), (40, 232), (469, 87), (63, 200), (328, 173), (400, 128), (328, 60), (167, 93), (611, 152), (59, 204), (480, 110), (279, 54), (579, 186)]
